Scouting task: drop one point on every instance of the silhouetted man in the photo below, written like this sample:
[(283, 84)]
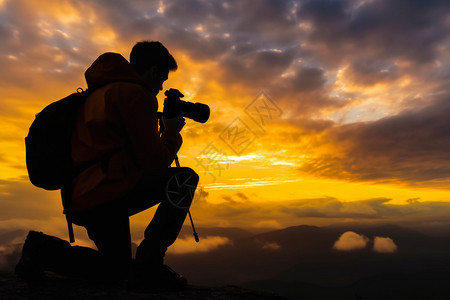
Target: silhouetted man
[(122, 166)]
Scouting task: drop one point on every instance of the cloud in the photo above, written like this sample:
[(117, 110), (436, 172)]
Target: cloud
[(40, 46), (24, 207), (379, 28), (271, 246), (366, 73), (21, 200), (334, 208), (242, 196), (226, 209), (259, 67), (350, 241), (412, 146), (9, 256), (188, 245), (426, 215), (252, 45), (273, 224), (384, 245)]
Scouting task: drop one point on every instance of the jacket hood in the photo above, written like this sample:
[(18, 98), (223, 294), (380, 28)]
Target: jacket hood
[(110, 67)]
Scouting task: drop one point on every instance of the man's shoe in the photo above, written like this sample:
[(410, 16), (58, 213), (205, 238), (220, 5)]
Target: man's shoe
[(156, 278), (29, 267), (41, 253)]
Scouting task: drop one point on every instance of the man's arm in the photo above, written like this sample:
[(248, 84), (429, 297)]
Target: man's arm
[(139, 116)]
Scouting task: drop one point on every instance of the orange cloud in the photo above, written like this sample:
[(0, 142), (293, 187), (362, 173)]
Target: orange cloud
[(411, 147), (208, 243), (271, 246), (350, 241), (384, 245)]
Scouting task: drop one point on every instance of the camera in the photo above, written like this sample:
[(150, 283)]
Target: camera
[(174, 106)]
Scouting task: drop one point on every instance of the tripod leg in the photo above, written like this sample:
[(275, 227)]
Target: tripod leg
[(189, 212), (193, 227)]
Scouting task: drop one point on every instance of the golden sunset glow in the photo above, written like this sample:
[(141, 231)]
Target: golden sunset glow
[(306, 127)]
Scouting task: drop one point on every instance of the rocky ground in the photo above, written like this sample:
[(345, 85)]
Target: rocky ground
[(57, 288)]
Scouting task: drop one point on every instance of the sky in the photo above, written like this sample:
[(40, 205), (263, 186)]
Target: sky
[(322, 112)]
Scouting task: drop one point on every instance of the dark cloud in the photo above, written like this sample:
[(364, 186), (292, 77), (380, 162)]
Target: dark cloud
[(258, 67), (305, 92), (253, 43), (238, 199), (383, 28), (308, 79), (240, 34), (413, 146), (403, 28), (38, 49), (266, 23), (242, 196), (370, 72)]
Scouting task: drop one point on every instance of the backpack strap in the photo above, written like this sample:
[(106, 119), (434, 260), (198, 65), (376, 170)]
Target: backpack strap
[(66, 192), (70, 228)]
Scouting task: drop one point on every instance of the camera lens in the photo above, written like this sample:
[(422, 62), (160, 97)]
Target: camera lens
[(198, 112)]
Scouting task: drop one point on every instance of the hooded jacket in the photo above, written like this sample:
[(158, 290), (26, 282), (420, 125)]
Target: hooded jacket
[(117, 128)]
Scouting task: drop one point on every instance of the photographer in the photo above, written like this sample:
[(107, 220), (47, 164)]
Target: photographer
[(116, 137)]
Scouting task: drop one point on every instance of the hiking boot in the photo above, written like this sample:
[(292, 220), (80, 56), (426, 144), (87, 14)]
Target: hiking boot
[(43, 253), (40, 253), (156, 278)]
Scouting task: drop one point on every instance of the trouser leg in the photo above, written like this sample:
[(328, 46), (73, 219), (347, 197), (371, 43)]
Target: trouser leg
[(168, 219), (160, 234), (111, 235)]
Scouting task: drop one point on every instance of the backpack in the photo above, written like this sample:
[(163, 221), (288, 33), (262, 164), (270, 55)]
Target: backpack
[(48, 144), (48, 147)]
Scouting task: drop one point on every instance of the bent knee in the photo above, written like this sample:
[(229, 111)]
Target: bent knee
[(195, 178)]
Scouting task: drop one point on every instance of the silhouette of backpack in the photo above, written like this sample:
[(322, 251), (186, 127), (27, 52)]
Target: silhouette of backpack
[(48, 144), (48, 148)]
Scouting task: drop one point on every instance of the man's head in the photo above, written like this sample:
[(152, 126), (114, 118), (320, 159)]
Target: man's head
[(153, 62)]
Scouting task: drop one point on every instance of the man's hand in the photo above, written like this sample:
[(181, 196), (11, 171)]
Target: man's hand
[(174, 124)]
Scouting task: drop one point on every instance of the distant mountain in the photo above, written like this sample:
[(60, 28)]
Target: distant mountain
[(303, 256), (232, 233)]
